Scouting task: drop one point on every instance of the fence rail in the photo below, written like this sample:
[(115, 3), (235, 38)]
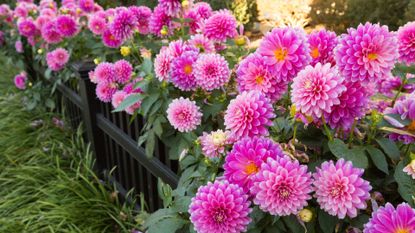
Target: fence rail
[(113, 138)]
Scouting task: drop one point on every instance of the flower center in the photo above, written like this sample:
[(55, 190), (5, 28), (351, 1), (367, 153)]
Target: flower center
[(372, 56), (280, 54), (337, 190), (307, 84), (411, 126), (181, 116), (259, 80), (284, 192), (315, 53), (219, 216), (218, 138), (400, 230), (187, 69), (251, 168)]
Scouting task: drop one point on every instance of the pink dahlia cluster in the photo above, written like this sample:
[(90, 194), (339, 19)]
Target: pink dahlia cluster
[(123, 24), (214, 143), (184, 115), (57, 59), (406, 42), (367, 53), (197, 14), (249, 114), (322, 44), (388, 219), (404, 107), (245, 159), (20, 81), (339, 188), (220, 207)]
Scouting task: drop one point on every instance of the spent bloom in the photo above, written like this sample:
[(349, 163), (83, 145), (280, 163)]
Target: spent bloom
[(220, 207), (367, 53), (182, 75), (249, 114), (322, 44), (282, 187), (213, 144), (340, 190), (406, 42), (286, 51), (20, 81), (211, 71), (390, 220), (184, 115), (220, 26), (246, 157)]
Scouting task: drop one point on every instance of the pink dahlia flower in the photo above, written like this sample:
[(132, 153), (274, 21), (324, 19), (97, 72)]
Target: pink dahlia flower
[(118, 98), (160, 20), (340, 190), (123, 24), (57, 59), (410, 169), (214, 143), (20, 81), (282, 187), (105, 73), (162, 64), (316, 89), (87, 5), (109, 40), (66, 26), (203, 9), (197, 14), (367, 53), (27, 27), (354, 102), (178, 47), (406, 42), (18, 45), (254, 74), (182, 75), (220, 207), (322, 44), (202, 43), (245, 159), (105, 91), (97, 24), (390, 220), (211, 71), (220, 26), (184, 115), (171, 7), (249, 114), (286, 50), (142, 15), (123, 71), (50, 33)]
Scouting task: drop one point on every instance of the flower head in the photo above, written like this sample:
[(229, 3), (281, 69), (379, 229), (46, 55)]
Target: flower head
[(220, 207), (20, 81), (105, 73), (406, 42), (246, 158), (18, 45), (27, 27), (123, 24), (57, 59), (118, 98), (160, 20), (50, 33), (109, 40), (182, 74), (105, 91), (211, 71), (142, 15), (214, 143), (220, 26), (249, 114), (282, 187), (340, 190), (171, 7), (66, 26), (123, 71), (162, 64), (87, 5), (410, 169), (388, 219), (367, 53), (202, 43), (184, 115), (97, 24), (322, 44)]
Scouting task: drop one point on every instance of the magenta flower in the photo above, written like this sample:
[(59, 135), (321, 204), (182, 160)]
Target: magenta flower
[(214, 143), (316, 89), (340, 190), (18, 45), (50, 33), (87, 5), (178, 47), (388, 84), (160, 20), (390, 220), (322, 44), (406, 42), (118, 98), (197, 14), (211, 71), (105, 91), (249, 114), (184, 115), (246, 158), (57, 59), (123, 24), (142, 15), (171, 7), (182, 75), (109, 40), (66, 26), (220, 26), (202, 43), (105, 73), (27, 27), (220, 207), (254, 74), (97, 24), (20, 81), (286, 51), (282, 187), (123, 71), (162, 64), (367, 53)]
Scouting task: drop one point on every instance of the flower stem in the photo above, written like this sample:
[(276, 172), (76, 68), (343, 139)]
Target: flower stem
[(326, 128), (399, 91), (352, 133)]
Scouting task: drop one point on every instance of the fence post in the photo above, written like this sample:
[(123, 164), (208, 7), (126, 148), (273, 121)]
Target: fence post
[(90, 111)]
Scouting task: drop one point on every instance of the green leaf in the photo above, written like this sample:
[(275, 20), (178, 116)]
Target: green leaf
[(168, 225), (356, 155), (147, 66), (157, 127), (406, 185), (181, 204), (50, 103), (390, 148), (148, 102), (292, 223), (150, 144), (378, 158), (158, 216), (327, 222), (129, 101), (165, 192)]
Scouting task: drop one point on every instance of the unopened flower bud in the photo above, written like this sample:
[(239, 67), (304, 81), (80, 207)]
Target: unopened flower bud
[(306, 215)]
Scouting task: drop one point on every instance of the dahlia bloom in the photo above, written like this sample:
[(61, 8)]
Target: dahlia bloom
[(286, 51), (184, 115), (211, 71), (220, 207), (109, 40), (57, 59), (245, 159), (97, 24), (123, 71), (20, 81), (203, 9), (340, 190), (316, 89), (66, 26), (50, 33), (214, 143), (282, 187), (105, 73), (404, 107), (118, 98), (105, 91), (198, 13), (367, 53), (254, 74), (322, 44), (406, 42), (410, 169), (123, 24), (202, 43), (353, 103), (159, 20), (388, 219), (178, 47), (142, 15), (182, 75), (27, 27), (18, 45), (249, 114), (162, 64), (171, 7), (87, 5), (220, 26)]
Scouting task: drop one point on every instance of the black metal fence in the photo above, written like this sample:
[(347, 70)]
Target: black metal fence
[(113, 139)]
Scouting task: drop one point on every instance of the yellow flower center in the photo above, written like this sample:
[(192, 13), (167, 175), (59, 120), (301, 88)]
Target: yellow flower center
[(411, 126), (315, 53), (251, 168), (280, 54), (402, 231), (372, 56), (218, 138), (259, 80), (307, 84), (187, 69)]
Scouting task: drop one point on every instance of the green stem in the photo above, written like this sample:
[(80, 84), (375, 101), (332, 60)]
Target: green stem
[(399, 91), (352, 133), (295, 131), (326, 128)]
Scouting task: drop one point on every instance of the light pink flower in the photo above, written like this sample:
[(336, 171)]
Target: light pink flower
[(184, 115)]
